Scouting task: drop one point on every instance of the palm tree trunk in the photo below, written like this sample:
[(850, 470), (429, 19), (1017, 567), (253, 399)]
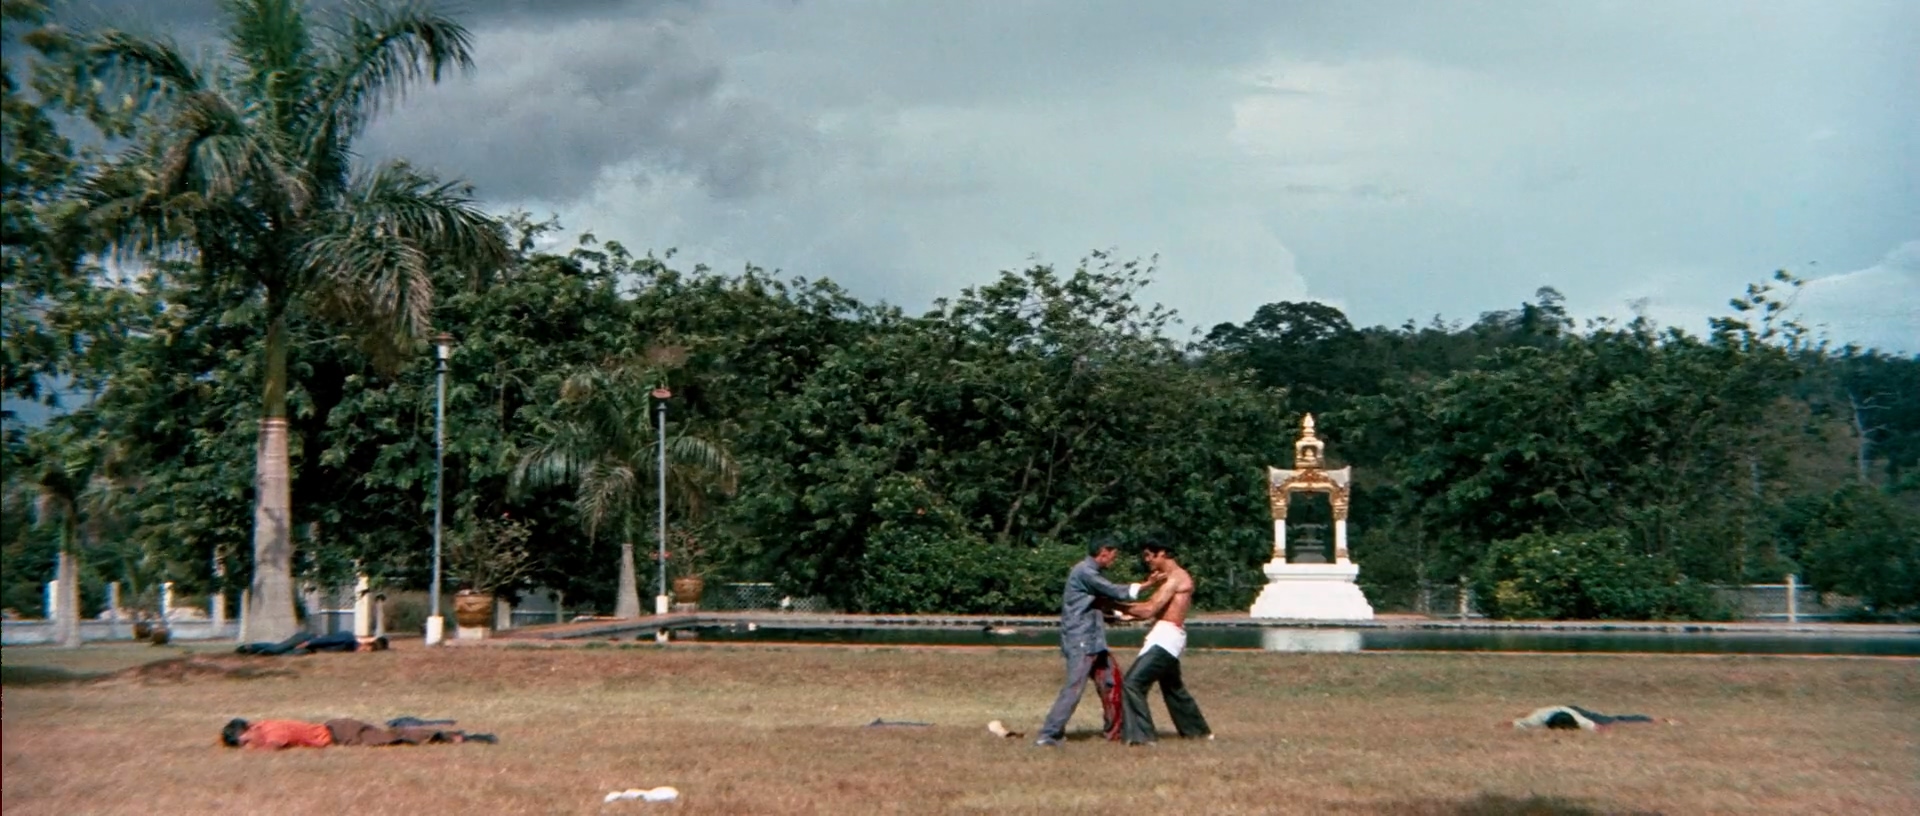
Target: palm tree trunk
[(626, 604), (66, 620), (270, 608)]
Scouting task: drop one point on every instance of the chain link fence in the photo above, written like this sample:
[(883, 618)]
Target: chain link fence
[(1446, 601), (1779, 602), (758, 597), (1751, 602), (328, 609)]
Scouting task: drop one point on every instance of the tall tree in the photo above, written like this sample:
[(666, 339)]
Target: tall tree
[(52, 483), (75, 481), (38, 280), (245, 163), (605, 442)]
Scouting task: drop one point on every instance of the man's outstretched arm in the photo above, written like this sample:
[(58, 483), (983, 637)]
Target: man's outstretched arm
[(1098, 585), (1150, 608)]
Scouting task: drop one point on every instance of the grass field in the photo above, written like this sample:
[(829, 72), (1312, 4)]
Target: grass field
[(778, 730)]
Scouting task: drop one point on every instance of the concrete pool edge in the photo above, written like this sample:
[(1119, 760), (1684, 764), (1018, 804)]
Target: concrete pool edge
[(801, 620)]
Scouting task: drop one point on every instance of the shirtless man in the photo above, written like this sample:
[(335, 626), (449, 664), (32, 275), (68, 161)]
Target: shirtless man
[(1159, 659)]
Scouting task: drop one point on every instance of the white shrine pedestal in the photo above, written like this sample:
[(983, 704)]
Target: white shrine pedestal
[(1312, 592)]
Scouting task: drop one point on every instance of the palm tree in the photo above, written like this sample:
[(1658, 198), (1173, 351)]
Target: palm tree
[(605, 445), (245, 165), (75, 485), (52, 479)]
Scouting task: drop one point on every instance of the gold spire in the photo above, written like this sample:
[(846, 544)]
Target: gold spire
[(1306, 451)]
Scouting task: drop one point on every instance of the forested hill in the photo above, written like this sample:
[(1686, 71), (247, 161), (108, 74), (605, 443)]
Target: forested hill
[(953, 461), (956, 460)]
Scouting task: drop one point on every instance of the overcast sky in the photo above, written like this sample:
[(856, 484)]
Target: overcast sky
[(1394, 159)]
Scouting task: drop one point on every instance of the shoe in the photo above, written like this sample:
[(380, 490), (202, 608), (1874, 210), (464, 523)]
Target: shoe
[(1046, 742)]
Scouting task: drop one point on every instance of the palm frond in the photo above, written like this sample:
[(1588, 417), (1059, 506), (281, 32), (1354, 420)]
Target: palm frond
[(270, 38), (130, 216), (378, 51), (442, 214), (606, 492), (707, 457), (150, 69), (380, 276), (374, 258), (606, 443)]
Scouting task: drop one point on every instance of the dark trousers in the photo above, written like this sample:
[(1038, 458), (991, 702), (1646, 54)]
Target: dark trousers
[(1156, 665), (288, 646), (355, 732), (336, 642), (1098, 666)]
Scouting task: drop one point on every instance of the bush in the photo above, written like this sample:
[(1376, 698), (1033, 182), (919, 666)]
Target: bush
[(920, 556), (919, 569), (406, 612), (1585, 576), (1866, 545)]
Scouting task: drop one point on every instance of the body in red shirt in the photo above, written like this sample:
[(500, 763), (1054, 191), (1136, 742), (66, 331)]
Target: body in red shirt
[(285, 734)]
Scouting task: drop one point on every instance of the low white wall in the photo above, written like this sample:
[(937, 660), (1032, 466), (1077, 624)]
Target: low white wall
[(27, 633)]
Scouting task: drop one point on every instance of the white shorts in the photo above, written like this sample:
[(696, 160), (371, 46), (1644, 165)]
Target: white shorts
[(1166, 635)]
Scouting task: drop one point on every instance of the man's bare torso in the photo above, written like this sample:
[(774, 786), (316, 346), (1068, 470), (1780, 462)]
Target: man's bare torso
[(1179, 586), (1171, 600)]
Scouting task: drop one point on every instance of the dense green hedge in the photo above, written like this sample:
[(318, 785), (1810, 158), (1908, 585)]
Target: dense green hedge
[(1586, 576)]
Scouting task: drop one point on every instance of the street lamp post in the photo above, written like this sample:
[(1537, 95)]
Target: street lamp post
[(436, 624), (660, 395)]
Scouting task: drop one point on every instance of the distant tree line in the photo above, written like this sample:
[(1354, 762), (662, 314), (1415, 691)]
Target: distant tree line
[(223, 262)]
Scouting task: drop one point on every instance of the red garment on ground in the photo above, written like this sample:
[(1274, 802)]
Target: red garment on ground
[(285, 734), (1110, 702)]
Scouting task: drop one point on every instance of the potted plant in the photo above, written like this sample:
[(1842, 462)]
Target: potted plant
[(687, 554), (484, 557), (144, 605)]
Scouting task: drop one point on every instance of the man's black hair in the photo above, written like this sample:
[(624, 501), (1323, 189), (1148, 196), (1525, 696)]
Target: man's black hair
[(230, 735), (1105, 542), (1154, 543)]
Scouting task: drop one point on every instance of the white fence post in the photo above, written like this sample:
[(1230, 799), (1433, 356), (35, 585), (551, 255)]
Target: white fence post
[(166, 600), (362, 606), (1793, 598), (246, 600), (53, 599)]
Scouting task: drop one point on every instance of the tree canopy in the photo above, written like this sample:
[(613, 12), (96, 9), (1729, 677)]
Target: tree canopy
[(225, 266)]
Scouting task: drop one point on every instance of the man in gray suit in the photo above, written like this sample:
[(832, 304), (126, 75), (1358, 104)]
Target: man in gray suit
[(1083, 639)]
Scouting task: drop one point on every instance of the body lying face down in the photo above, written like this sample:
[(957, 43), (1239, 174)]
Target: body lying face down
[(275, 734)]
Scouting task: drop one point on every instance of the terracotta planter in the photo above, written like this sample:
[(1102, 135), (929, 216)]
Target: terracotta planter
[(160, 636), (687, 589), (142, 630), (473, 611)]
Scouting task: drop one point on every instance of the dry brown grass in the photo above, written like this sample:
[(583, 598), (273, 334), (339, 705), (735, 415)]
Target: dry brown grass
[(778, 730)]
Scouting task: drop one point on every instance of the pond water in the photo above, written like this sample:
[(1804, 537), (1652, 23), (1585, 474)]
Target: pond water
[(1293, 639)]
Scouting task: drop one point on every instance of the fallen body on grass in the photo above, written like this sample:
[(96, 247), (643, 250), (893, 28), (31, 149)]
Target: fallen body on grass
[(276, 734)]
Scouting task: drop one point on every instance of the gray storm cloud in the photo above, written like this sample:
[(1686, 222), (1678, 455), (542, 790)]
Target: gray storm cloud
[(560, 104), (1398, 159)]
